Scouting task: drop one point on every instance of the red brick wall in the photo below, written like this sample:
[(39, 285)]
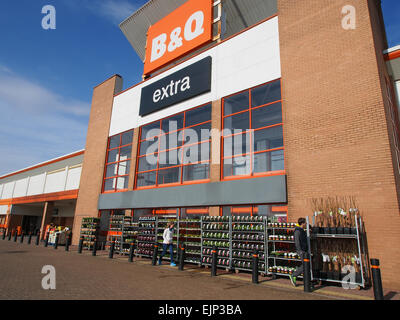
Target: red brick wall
[(336, 129)]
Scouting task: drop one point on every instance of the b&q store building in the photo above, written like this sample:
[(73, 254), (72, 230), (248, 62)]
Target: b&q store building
[(321, 97)]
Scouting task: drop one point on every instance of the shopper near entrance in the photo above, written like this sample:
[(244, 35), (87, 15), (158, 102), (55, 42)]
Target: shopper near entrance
[(300, 240), (168, 237)]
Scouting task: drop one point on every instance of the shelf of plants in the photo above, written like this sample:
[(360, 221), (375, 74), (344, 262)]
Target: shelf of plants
[(129, 234), (282, 256), (216, 231), (337, 242), (190, 235), (248, 234), (114, 234), (162, 223), (89, 231), (146, 236)]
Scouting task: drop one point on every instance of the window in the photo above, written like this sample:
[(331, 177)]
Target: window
[(175, 150), (253, 132), (276, 211), (183, 213), (118, 162)]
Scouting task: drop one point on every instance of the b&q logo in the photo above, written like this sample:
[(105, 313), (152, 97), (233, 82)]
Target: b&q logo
[(185, 29)]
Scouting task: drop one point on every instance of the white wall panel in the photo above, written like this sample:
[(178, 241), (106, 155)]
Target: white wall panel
[(73, 178), (21, 187), (1, 190), (3, 210), (8, 190), (36, 184), (397, 90), (247, 60), (55, 182)]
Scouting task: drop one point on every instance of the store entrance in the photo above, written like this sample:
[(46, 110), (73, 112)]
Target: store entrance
[(31, 224)]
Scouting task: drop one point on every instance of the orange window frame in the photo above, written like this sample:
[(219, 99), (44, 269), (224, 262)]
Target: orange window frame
[(253, 209), (252, 152), (180, 148), (117, 163)]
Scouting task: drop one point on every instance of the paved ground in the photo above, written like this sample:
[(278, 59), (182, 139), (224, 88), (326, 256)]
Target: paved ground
[(82, 276)]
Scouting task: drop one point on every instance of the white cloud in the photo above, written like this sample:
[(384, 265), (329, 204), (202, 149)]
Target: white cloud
[(37, 124), (114, 10)]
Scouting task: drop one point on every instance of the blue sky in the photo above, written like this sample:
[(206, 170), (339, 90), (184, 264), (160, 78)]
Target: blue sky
[(47, 76)]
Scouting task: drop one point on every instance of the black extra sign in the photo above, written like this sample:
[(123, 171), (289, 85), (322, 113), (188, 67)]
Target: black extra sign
[(177, 87)]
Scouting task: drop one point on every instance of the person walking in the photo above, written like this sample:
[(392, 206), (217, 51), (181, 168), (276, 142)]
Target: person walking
[(168, 237), (300, 240)]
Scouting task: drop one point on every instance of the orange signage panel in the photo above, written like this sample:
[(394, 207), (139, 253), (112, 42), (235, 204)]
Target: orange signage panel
[(183, 30)]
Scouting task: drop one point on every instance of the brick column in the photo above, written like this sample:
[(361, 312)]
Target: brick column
[(46, 219), (215, 167), (95, 152), (132, 172), (336, 132)]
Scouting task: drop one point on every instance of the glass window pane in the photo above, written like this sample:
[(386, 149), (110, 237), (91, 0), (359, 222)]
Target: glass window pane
[(169, 158), (202, 132), (114, 141), (148, 146), (127, 138), (236, 103), (111, 170), (109, 184), (146, 179), (196, 172), (113, 155), (126, 153), (266, 139), (123, 168), (238, 121), (170, 141), (171, 175), (241, 210), (196, 153), (172, 123), (153, 127), (198, 115), (268, 161), (193, 213), (266, 94), (236, 145), (266, 116), (122, 183), (147, 163), (237, 166)]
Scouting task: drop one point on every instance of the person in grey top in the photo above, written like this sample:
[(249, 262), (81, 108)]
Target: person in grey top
[(300, 241)]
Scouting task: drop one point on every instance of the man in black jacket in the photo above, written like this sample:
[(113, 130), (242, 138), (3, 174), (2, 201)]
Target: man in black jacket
[(300, 240)]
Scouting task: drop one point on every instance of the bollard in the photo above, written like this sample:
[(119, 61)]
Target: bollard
[(214, 261), (80, 246), (15, 236), (30, 238), (155, 254), (67, 243), (56, 241), (111, 253), (46, 241), (37, 239), (131, 252), (21, 240), (181, 257), (9, 236), (103, 245), (307, 273), (255, 267), (94, 250), (376, 279), (4, 234)]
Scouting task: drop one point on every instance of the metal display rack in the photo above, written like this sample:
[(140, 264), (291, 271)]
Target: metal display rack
[(248, 234), (282, 256), (357, 236), (128, 234), (89, 231), (114, 233), (146, 236), (190, 235), (216, 231)]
